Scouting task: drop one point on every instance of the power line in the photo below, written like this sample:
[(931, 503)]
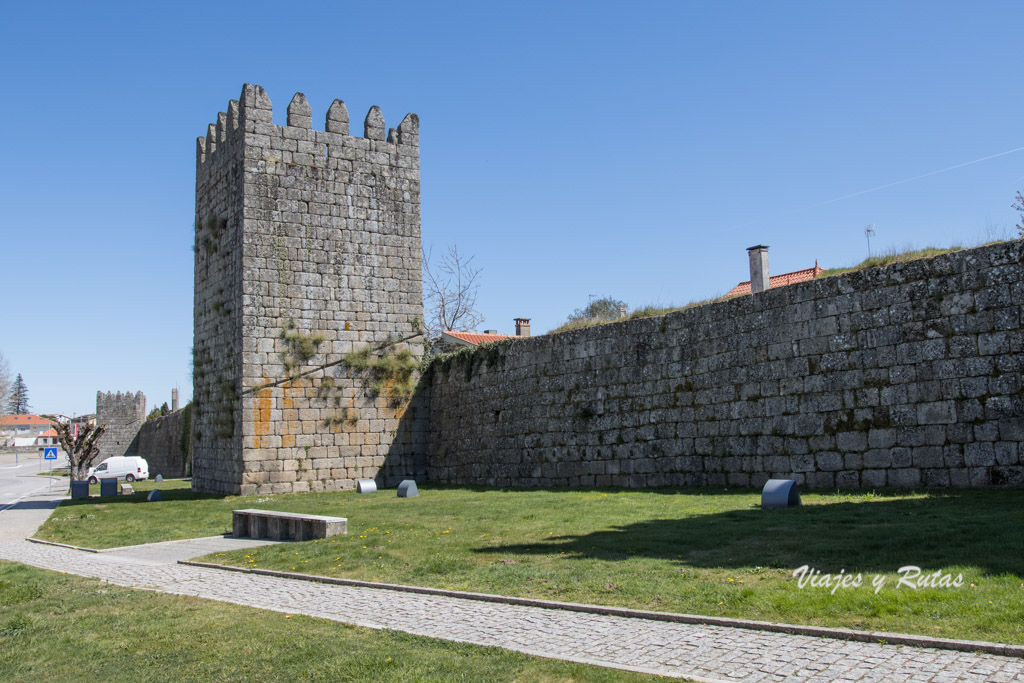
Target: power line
[(917, 177), (886, 186)]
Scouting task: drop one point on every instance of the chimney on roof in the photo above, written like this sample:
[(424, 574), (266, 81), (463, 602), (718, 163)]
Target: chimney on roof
[(490, 332), (174, 400), (758, 268), (522, 327)]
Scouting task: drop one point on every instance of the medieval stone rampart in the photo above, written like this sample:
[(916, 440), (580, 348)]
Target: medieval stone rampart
[(908, 375), (166, 443), (307, 251)]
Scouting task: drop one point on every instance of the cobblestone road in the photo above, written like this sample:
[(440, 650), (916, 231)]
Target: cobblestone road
[(709, 653)]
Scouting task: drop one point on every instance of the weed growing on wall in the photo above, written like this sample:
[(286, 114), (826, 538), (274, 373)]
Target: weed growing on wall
[(209, 232), (224, 414), (347, 417), (491, 354), (392, 372), (185, 442), (301, 347)]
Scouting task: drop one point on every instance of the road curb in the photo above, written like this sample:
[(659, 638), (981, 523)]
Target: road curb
[(883, 637), (122, 547)]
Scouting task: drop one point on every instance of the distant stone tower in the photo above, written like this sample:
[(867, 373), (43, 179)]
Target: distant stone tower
[(122, 416), (308, 300)]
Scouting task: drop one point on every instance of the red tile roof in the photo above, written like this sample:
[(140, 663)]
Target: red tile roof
[(781, 280), (22, 420), (49, 432), (477, 338)]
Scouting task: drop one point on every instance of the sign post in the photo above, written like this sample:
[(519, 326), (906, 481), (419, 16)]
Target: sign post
[(50, 453)]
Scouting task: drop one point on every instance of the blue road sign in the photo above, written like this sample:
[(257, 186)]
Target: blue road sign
[(50, 453)]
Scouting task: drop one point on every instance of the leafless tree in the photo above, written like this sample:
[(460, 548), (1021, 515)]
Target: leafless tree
[(449, 293), (81, 448), (1018, 204)]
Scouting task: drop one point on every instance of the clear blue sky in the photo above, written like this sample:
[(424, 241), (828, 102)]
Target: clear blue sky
[(576, 148)]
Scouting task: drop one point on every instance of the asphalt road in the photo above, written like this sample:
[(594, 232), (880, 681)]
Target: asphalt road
[(26, 499)]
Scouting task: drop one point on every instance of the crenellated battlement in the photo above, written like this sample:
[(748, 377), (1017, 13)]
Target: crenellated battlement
[(253, 113), (110, 398)]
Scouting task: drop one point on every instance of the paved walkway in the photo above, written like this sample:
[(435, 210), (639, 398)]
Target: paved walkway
[(707, 653)]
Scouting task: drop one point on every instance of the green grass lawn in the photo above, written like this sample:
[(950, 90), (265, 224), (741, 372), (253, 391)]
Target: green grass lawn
[(56, 472), (700, 551), (128, 520), (56, 627)]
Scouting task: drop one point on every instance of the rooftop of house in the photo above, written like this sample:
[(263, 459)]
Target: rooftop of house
[(781, 280), (25, 420), (472, 338)]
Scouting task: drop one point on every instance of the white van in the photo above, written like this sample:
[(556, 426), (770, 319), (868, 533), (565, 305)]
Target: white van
[(124, 467)]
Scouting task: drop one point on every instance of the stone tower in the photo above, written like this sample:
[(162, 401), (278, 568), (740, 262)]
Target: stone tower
[(308, 300), (122, 416)]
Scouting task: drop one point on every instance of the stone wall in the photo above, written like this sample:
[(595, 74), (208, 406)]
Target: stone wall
[(906, 376), (121, 415), (307, 250), (166, 443)]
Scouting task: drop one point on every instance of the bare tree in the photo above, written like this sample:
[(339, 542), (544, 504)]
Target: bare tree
[(5, 384), (81, 448), (449, 293)]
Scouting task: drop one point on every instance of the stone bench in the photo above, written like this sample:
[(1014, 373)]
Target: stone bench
[(285, 526)]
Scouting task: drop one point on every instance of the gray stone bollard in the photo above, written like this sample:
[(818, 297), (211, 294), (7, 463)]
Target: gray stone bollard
[(159, 478), (79, 489), (108, 486), (407, 489), (366, 486), (779, 493), (154, 495)]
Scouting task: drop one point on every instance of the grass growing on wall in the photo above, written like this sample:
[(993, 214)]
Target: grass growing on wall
[(893, 256), (890, 257), (700, 551), (650, 311)]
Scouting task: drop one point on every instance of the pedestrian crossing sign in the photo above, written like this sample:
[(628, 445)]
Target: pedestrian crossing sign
[(50, 453)]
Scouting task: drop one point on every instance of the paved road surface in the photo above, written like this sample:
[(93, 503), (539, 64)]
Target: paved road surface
[(26, 500)]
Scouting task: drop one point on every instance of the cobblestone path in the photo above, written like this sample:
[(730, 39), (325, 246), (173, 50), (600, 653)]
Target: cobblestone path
[(708, 653)]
